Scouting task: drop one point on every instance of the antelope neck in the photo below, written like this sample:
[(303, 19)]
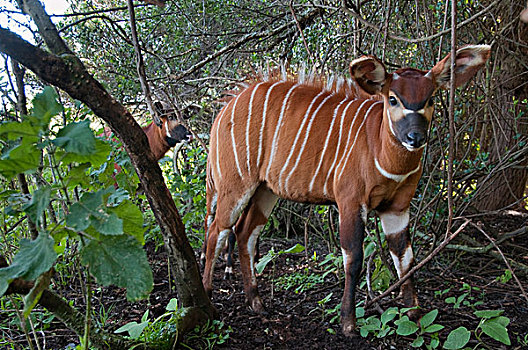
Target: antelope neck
[(391, 159)]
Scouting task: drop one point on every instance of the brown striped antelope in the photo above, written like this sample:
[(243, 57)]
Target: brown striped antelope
[(309, 141)]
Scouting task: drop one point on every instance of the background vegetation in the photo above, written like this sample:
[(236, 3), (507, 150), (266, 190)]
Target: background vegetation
[(57, 181)]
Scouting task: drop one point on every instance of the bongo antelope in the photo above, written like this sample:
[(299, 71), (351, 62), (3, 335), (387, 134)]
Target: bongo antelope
[(357, 143)]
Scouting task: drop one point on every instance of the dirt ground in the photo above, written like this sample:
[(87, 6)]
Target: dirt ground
[(297, 320)]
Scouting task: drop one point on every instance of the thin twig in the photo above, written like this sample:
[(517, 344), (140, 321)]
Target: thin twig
[(504, 258), (405, 277), (140, 64), (300, 31), (426, 38), (451, 116)]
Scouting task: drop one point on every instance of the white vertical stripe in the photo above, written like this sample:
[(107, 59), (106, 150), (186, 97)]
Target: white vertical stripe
[(264, 112), (325, 191), (233, 143), (306, 135), (329, 134), (277, 129), (248, 122), (301, 128), (355, 139), (222, 112)]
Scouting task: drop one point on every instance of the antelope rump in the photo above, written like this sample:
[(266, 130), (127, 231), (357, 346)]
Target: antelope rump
[(357, 143)]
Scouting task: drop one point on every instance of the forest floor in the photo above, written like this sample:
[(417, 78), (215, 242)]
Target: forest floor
[(303, 320)]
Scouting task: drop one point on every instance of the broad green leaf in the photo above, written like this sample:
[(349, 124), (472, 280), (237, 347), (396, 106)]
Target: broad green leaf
[(133, 328), (79, 217), (20, 158), (76, 138), (264, 261), (505, 321), (457, 339), (77, 176), (389, 315), (406, 328), (107, 224), (295, 249), (45, 105), (132, 219), (40, 200), (488, 313), (172, 305), (33, 259), (433, 328), (496, 330), (96, 158), (119, 260), (360, 312), (16, 130), (428, 318), (418, 342)]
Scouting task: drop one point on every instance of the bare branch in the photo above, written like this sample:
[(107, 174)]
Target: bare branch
[(399, 37)]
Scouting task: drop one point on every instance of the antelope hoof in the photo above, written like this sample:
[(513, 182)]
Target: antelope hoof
[(257, 306), (349, 326)]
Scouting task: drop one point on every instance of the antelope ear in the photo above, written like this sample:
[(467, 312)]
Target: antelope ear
[(469, 59), (369, 73)]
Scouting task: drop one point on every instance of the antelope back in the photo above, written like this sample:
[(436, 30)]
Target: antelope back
[(297, 136)]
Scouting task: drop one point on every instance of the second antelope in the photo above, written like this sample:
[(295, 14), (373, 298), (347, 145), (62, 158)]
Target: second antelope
[(312, 142), (163, 133)]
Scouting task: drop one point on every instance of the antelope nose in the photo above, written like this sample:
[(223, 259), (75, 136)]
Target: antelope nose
[(415, 139)]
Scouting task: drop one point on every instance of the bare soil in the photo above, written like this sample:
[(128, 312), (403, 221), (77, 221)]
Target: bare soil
[(297, 321)]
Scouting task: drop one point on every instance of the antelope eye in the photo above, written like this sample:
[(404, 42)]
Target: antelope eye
[(393, 101), (430, 103)]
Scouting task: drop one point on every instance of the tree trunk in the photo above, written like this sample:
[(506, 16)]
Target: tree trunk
[(68, 73), (506, 185)]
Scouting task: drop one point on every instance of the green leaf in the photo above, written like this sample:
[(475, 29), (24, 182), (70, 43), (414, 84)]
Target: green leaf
[(40, 200), (33, 259), (360, 312), (433, 328), (264, 261), (133, 328), (76, 138), (79, 217), (295, 249), (96, 158), (428, 318), (107, 224), (77, 176), (45, 105), (132, 219), (389, 315), (172, 305), (488, 313), (496, 330), (457, 339), (119, 260), (22, 157), (16, 130), (418, 342), (406, 328)]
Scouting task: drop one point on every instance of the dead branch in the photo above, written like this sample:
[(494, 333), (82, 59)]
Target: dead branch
[(400, 37), (408, 275)]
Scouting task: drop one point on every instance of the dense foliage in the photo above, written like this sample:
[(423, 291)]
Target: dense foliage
[(87, 220)]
